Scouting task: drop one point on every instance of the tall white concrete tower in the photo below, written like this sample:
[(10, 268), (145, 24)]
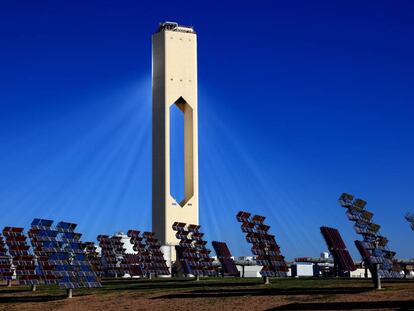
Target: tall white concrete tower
[(174, 82)]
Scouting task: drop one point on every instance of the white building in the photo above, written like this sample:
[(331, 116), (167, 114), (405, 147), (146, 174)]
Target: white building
[(359, 273), (303, 269)]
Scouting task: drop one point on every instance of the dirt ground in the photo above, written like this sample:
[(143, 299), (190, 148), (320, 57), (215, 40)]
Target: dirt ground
[(217, 294)]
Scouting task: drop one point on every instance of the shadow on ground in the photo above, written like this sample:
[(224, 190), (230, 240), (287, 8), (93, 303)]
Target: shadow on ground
[(172, 285), (217, 293), (360, 305), (37, 298)]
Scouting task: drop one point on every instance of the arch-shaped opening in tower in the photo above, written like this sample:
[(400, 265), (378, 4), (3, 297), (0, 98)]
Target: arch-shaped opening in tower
[(177, 153), (181, 151)]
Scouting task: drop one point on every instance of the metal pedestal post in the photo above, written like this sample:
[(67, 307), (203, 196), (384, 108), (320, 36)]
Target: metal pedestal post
[(377, 278), (336, 269)]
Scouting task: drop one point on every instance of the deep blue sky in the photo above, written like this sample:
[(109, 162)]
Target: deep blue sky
[(298, 102)]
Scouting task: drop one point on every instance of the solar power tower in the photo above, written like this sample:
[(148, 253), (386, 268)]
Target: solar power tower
[(373, 248), (192, 253), (6, 271), (264, 245), (225, 258), (343, 262), (410, 218), (174, 83), (23, 260), (113, 256), (60, 257)]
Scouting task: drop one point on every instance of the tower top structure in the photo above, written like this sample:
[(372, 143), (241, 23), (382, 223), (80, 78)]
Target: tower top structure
[(173, 26)]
